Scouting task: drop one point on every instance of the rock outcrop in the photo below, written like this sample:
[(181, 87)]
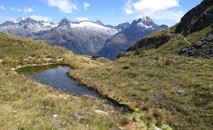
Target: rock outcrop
[(196, 19), (153, 42), (201, 48)]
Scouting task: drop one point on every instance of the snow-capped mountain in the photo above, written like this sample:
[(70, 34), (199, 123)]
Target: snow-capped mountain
[(88, 26), (123, 26), (83, 37), (25, 26), (128, 36)]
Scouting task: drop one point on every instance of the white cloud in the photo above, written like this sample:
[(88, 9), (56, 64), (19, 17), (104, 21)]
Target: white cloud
[(40, 18), (168, 15), (82, 18), (28, 10), (156, 9), (2, 7), (86, 5), (14, 9), (19, 10), (65, 6), (149, 6), (128, 7)]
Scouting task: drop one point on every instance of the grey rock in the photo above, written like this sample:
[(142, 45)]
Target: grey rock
[(182, 92)]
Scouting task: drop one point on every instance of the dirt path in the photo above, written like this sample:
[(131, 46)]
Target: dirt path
[(185, 39)]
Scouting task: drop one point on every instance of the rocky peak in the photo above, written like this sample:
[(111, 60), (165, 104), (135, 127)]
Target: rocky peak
[(99, 22), (27, 21), (64, 23), (18, 20), (144, 22), (163, 26), (123, 26), (146, 18)]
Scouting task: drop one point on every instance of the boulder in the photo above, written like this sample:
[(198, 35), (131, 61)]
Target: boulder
[(101, 112), (1, 61)]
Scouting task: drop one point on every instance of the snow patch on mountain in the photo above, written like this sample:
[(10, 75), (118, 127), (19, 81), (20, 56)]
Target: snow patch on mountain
[(18, 20), (23, 25), (87, 25), (141, 24)]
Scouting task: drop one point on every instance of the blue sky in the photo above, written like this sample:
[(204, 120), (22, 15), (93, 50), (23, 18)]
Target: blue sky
[(108, 11)]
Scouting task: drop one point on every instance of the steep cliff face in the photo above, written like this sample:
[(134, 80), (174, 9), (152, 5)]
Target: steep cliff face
[(196, 19)]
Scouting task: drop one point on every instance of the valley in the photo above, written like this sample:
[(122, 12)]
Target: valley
[(83, 37), (90, 76)]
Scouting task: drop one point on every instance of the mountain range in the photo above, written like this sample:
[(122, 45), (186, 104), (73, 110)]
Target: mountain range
[(130, 35), (84, 37)]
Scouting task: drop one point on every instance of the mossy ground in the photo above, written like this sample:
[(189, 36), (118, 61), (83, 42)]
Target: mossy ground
[(166, 88)]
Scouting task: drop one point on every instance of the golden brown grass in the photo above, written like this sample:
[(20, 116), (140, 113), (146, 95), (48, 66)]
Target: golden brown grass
[(164, 87)]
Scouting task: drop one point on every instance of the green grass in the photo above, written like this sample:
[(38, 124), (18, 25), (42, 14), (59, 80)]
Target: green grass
[(19, 52), (26, 104), (164, 87), (197, 35)]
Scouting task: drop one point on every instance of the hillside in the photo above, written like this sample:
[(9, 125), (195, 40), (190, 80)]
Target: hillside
[(162, 85), (26, 104)]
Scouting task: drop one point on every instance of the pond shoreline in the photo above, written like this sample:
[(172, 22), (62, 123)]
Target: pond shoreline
[(26, 67), (80, 80), (114, 103), (103, 95)]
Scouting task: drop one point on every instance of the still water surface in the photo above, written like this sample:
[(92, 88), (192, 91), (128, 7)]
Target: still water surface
[(57, 78)]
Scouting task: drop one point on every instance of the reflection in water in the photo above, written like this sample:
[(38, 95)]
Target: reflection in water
[(57, 78)]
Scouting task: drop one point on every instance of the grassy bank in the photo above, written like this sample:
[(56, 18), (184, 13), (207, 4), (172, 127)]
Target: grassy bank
[(26, 104), (164, 87)]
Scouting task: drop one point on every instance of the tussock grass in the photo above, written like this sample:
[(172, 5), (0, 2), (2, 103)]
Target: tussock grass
[(166, 88), (26, 104), (197, 35)]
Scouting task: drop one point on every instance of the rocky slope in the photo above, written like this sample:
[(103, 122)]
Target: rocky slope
[(128, 36), (199, 18), (201, 48)]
